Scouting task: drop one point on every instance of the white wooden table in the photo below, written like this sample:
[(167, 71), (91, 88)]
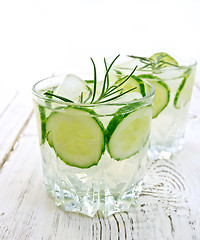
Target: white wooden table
[(168, 207)]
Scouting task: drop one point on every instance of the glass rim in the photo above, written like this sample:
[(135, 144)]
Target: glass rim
[(184, 64), (43, 97), (189, 62), (173, 76), (178, 67)]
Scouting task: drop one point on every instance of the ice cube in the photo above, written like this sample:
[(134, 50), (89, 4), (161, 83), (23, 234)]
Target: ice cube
[(71, 87)]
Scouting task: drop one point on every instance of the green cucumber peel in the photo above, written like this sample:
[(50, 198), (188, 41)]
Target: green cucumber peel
[(182, 85), (140, 88), (98, 122), (120, 115), (155, 114), (156, 82), (43, 123)]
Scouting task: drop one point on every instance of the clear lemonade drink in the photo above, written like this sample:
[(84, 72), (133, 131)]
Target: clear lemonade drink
[(173, 83), (93, 139)]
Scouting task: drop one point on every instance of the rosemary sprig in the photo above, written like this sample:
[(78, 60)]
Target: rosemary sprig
[(126, 79), (108, 93), (111, 90), (151, 64), (145, 59), (59, 97), (111, 99), (103, 92), (111, 93)]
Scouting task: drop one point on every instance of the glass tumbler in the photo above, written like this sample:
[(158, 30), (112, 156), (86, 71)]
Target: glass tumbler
[(94, 156), (173, 81)]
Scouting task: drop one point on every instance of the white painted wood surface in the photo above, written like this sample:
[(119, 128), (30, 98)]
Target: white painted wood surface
[(168, 207)]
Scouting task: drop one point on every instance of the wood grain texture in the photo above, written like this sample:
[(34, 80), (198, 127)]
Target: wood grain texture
[(13, 119), (168, 207)]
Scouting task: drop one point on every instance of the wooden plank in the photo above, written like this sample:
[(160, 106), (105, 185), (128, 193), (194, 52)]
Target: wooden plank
[(12, 121), (167, 209), (9, 88)]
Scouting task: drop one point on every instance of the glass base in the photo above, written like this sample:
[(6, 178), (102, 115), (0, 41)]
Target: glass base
[(106, 204), (165, 151)]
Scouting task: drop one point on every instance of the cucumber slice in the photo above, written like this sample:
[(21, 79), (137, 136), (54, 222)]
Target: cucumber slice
[(43, 123), (132, 82), (184, 92), (128, 133), (162, 96), (162, 93), (76, 136), (164, 57)]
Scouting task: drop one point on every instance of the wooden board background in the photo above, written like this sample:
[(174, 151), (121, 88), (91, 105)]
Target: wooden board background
[(168, 207)]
